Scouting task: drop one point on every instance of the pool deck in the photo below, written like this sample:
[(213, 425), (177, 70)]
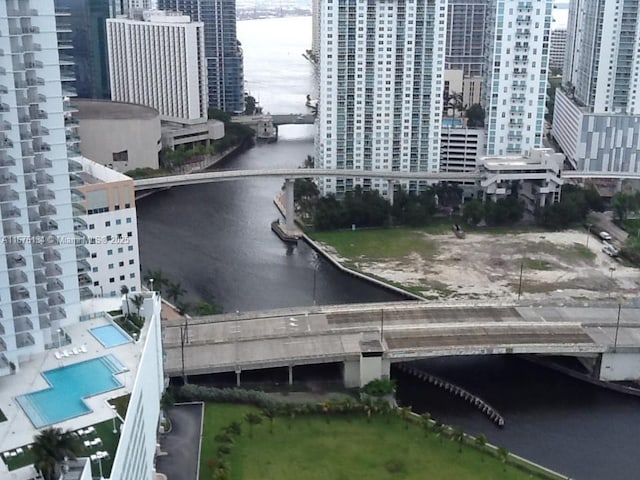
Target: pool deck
[(18, 430)]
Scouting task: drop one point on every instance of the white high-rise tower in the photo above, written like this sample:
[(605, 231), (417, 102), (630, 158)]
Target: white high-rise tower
[(381, 82), (40, 251), (515, 74), (596, 120)]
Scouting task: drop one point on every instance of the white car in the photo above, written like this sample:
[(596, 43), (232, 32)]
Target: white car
[(605, 236)]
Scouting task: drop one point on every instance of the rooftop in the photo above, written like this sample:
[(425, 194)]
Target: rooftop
[(108, 110), (18, 430)]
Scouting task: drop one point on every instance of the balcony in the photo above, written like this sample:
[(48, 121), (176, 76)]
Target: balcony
[(43, 307), (75, 180), (49, 225), (51, 255), (45, 194), (22, 324), (20, 308), (78, 209), (4, 108), (79, 224), (8, 178), (40, 277), (68, 91), (47, 209), (75, 166), (54, 285), (34, 82), (30, 29), (52, 270), (19, 292), (83, 266), (43, 178), (57, 313), (73, 152), (10, 211), (39, 131), (43, 163), (35, 98), (4, 125), (82, 252), (77, 195), (70, 107), (39, 115), (16, 260), (56, 299), (85, 293), (33, 64), (24, 340), (70, 121), (72, 138), (17, 277), (8, 196), (7, 160), (12, 228), (84, 280)]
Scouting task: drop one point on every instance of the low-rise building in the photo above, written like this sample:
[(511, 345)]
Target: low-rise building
[(537, 177), (112, 230), (460, 146), (134, 134), (176, 134)]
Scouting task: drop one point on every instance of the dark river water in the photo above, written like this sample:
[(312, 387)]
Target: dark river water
[(216, 240)]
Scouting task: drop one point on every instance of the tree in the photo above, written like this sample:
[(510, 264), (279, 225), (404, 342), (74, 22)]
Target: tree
[(249, 105), (252, 419), (425, 420), (473, 212), (504, 211), (138, 301), (50, 447), (167, 400), (215, 114), (270, 414), (175, 291), (622, 204), (475, 116), (457, 434), (456, 102), (481, 442), (124, 290), (503, 454)]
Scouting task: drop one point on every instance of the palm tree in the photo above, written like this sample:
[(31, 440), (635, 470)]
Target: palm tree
[(124, 290), (425, 419), (270, 414), (138, 301), (159, 280), (175, 291), (457, 435), (252, 419), (503, 455), (480, 442), (50, 447)]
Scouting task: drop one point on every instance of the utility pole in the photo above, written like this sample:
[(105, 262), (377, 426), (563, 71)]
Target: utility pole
[(615, 341), (520, 283), (381, 325)]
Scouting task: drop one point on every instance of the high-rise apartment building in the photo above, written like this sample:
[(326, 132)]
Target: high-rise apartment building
[(597, 111), (84, 24), (40, 205), (159, 62), (225, 73), (381, 84), (465, 36), (315, 27), (515, 74), (557, 46)]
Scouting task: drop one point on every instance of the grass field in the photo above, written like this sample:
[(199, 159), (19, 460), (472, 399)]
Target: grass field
[(344, 448)]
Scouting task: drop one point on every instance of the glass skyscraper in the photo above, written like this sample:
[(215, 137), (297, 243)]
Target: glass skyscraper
[(225, 73)]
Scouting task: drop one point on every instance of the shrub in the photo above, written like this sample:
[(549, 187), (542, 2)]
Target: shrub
[(380, 387)]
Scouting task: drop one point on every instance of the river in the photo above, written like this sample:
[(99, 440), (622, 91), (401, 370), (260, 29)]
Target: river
[(216, 240)]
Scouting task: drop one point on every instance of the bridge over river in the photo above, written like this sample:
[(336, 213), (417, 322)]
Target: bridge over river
[(367, 338)]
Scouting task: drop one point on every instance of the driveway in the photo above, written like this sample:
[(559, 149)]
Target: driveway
[(604, 221), (181, 444)]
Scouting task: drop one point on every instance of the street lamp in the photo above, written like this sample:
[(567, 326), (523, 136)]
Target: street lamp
[(615, 341), (151, 284), (100, 467), (315, 273), (113, 410), (588, 233), (59, 332)]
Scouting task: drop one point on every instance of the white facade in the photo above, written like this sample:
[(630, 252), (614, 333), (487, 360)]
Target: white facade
[(134, 459), (112, 229), (38, 205), (160, 63), (596, 119), (515, 77), (557, 46), (381, 83), (460, 149), (538, 177), (315, 27), (602, 64)]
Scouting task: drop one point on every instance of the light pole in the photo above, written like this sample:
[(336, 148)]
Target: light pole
[(113, 411), (588, 233), (615, 341), (151, 284), (59, 332), (381, 325), (100, 467), (520, 283)]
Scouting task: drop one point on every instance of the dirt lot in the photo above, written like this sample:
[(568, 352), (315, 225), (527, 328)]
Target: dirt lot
[(483, 266)]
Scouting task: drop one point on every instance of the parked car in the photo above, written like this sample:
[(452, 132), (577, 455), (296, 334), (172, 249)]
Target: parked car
[(610, 250), (605, 236)]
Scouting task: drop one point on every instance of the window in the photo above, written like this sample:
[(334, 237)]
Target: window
[(111, 266), (128, 219), (131, 262), (94, 255), (96, 284), (94, 269), (122, 156), (121, 264), (121, 277), (109, 252), (132, 275), (91, 226), (118, 221), (120, 250), (107, 223), (112, 280), (130, 248)]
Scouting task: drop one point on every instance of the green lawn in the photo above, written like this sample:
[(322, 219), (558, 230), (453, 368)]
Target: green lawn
[(309, 447)]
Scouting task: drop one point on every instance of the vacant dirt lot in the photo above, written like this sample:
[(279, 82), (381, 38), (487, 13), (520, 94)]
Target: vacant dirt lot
[(554, 264)]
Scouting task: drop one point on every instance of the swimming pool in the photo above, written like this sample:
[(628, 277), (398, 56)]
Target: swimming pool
[(70, 385), (451, 122), (110, 336)]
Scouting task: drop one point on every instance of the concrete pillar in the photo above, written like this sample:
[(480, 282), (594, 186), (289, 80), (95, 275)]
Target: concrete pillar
[(238, 372), (620, 366), (290, 374), (390, 190), (288, 204), (351, 373)]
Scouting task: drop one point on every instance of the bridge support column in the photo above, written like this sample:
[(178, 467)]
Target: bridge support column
[(288, 204), (620, 366), (238, 372), (390, 190), (290, 374), (358, 372)]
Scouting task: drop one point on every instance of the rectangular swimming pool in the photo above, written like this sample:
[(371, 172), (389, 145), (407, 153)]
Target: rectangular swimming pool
[(110, 336), (70, 385)]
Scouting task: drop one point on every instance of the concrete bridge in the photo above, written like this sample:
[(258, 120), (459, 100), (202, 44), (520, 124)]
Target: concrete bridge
[(367, 338), (293, 119)]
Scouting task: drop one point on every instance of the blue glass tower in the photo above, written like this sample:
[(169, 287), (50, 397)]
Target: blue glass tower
[(225, 74)]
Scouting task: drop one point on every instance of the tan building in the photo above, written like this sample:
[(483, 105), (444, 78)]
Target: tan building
[(122, 136)]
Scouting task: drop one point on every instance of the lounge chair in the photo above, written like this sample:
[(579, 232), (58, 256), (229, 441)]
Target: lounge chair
[(90, 430), (83, 348), (6, 454), (97, 442), (13, 454), (19, 451), (94, 458), (76, 351), (88, 443), (65, 353), (58, 355)]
